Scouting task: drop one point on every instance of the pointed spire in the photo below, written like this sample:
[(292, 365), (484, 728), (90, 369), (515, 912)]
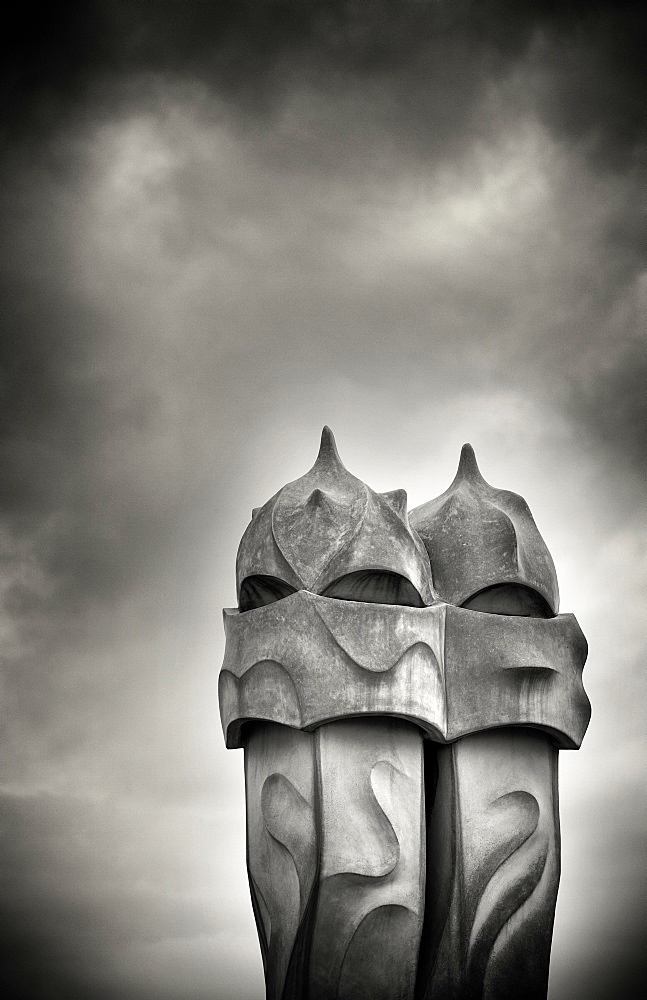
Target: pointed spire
[(328, 454), (255, 511), (316, 498), (319, 500), (328, 524), (468, 467), (478, 536)]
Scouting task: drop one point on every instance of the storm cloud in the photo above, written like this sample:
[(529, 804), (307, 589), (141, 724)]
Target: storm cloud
[(225, 225)]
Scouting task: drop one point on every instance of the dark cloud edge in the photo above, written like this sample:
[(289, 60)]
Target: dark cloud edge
[(251, 52)]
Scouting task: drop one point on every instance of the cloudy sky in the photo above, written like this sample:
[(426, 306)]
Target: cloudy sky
[(224, 225)]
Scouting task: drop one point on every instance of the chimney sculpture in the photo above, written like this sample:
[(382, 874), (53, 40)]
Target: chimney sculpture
[(401, 688)]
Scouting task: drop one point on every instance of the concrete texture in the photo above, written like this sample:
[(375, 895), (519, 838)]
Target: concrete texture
[(336, 857), (401, 694), (493, 847), (478, 536), (327, 525), (306, 660)]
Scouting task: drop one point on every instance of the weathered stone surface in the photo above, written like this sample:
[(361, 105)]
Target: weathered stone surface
[(335, 848), (401, 749), (282, 856), (493, 832), (307, 660), (327, 525), (371, 883), (502, 670), (478, 536)]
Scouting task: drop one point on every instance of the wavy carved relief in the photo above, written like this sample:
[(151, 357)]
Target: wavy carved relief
[(449, 670), (370, 897), (341, 657), (281, 847), (519, 863), (498, 791), (336, 857), (326, 668)]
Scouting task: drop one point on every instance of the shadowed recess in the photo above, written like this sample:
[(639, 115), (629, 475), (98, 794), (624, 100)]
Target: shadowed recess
[(257, 591), (509, 599), (369, 586), (374, 587)]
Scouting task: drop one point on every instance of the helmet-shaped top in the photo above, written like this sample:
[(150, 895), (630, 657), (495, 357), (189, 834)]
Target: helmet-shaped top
[(479, 537), (329, 524)]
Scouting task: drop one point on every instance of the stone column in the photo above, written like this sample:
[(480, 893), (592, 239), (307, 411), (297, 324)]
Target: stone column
[(336, 857), (370, 900), (282, 850), (514, 697), (401, 733), (494, 834)]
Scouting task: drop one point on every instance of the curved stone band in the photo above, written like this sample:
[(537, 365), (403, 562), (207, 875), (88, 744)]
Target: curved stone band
[(307, 660)]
